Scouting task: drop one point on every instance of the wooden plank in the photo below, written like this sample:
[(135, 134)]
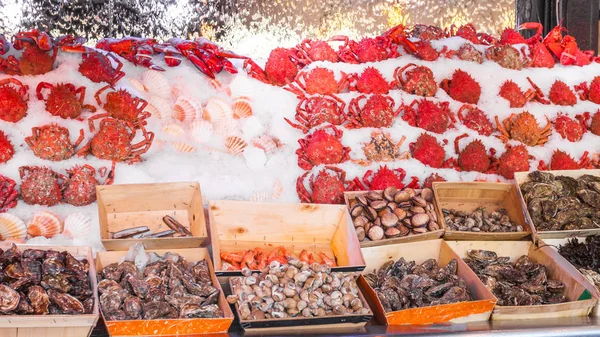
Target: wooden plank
[(53, 332)]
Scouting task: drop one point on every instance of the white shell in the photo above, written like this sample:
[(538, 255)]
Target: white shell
[(187, 109), (235, 144), (227, 127), (201, 131), (156, 83), (162, 109), (277, 189), (173, 130), (44, 223), (266, 143), (217, 109), (242, 107), (260, 197), (219, 86), (242, 86), (183, 147), (137, 85), (12, 227), (77, 226)]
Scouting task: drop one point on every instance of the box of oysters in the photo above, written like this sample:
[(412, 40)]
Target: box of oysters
[(561, 204), (161, 293), (480, 211), (48, 291), (419, 283), (528, 281)]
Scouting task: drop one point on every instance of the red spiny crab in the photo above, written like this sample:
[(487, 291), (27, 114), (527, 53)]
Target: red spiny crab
[(506, 56), (113, 140), (8, 193), (595, 124), (323, 146), (41, 185), (514, 159), (429, 115), (39, 54), (81, 188), (475, 119), (592, 93), (281, 68), (467, 52), (370, 81), (383, 178), (382, 148), (318, 51), (326, 188), (314, 111), (318, 81), (419, 80), (98, 67), (52, 142), (511, 92), (563, 161), (561, 94), (423, 50), (366, 50), (474, 156), (6, 148), (467, 32), (377, 112), (571, 129), (13, 101), (62, 100), (123, 105), (434, 177), (511, 36), (426, 32), (428, 151), (524, 128), (462, 87)]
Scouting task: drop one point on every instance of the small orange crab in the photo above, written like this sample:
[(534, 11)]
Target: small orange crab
[(382, 148), (524, 128)]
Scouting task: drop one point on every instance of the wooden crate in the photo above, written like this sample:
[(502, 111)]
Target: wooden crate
[(242, 225), (54, 325), (543, 255), (479, 309), (468, 196), (170, 327), (348, 196), (521, 177), (554, 244), (127, 206)]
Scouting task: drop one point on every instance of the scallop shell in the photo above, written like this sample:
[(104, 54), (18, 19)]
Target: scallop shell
[(44, 224), (227, 127), (162, 109), (260, 197), (217, 109), (242, 107), (277, 189), (266, 143), (202, 131), (242, 86), (77, 226), (219, 86), (173, 130), (156, 83), (235, 144), (11, 227), (137, 85), (187, 109), (183, 147)]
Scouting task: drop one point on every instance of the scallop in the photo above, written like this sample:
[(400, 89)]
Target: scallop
[(201, 131), (156, 83), (260, 197), (227, 127), (12, 227), (173, 130), (277, 189), (266, 143), (235, 144), (44, 223), (187, 109), (183, 147), (242, 107), (219, 86), (137, 85), (159, 107), (242, 86), (217, 109), (77, 226)]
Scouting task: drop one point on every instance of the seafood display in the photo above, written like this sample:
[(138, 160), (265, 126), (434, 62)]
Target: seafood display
[(522, 283), (405, 284), (44, 223), (392, 213), (562, 203), (143, 232), (258, 258), (44, 282), (297, 289), (168, 288), (479, 221)]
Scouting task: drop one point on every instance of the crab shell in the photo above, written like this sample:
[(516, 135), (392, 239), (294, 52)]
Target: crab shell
[(371, 81), (384, 177), (319, 51), (541, 56), (62, 101), (321, 81), (326, 188), (113, 140), (506, 56), (561, 94), (371, 49), (569, 128), (595, 124), (420, 81), (511, 36), (468, 53), (594, 93), (431, 179), (81, 189), (511, 92), (53, 142), (462, 87), (377, 112), (124, 106), (41, 185), (97, 67), (322, 147), (525, 129), (280, 69), (476, 120), (563, 161), (36, 61), (6, 148), (428, 151), (514, 159), (430, 116), (474, 157), (13, 106)]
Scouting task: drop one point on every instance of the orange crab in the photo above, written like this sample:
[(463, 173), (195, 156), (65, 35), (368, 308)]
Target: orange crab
[(382, 148), (524, 128)]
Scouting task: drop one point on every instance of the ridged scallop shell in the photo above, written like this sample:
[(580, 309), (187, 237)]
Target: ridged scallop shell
[(260, 197), (156, 83), (137, 85), (242, 107), (227, 127), (44, 224), (277, 189), (187, 109), (235, 145), (201, 131), (242, 86), (173, 130), (217, 109), (162, 109), (77, 226), (266, 143), (219, 86), (11, 227), (183, 147)]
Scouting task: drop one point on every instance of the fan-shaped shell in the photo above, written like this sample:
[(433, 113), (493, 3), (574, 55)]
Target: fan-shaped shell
[(266, 143), (260, 197), (187, 109), (202, 131), (44, 223), (12, 227), (173, 130), (217, 109), (219, 86), (242, 86), (156, 83), (235, 144), (77, 226), (137, 85), (162, 109), (242, 107), (183, 147), (227, 127), (277, 189)]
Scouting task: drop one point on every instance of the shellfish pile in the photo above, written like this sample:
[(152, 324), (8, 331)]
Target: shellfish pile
[(584, 256), (393, 213), (258, 258), (170, 287), (479, 221), (39, 282), (524, 282), (46, 224), (402, 285), (562, 202), (296, 290)]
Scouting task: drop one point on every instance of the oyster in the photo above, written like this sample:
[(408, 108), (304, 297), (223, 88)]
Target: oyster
[(66, 303), (195, 311), (57, 282), (132, 307), (9, 299), (39, 300)]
